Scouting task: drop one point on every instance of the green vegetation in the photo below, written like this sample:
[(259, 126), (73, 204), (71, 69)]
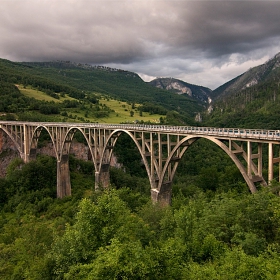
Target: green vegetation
[(40, 95), (118, 234), (28, 104)]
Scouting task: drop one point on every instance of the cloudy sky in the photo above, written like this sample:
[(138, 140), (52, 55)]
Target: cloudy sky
[(201, 42)]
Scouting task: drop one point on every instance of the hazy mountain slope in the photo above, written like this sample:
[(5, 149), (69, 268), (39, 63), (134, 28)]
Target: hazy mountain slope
[(250, 78), (223, 88), (182, 88), (251, 100)]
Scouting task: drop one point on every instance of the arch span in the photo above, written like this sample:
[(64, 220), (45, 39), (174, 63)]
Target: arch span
[(185, 142), (68, 141), (63, 170), (161, 148), (17, 145), (34, 139), (161, 171), (110, 143)]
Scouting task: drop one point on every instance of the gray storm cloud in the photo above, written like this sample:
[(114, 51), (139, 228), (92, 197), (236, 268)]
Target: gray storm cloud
[(202, 42)]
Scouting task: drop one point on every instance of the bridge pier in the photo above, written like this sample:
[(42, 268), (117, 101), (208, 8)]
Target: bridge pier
[(102, 177), (27, 157), (63, 177), (164, 195)]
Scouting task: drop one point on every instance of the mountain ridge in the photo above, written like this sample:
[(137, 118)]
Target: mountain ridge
[(180, 87), (250, 78), (250, 100)]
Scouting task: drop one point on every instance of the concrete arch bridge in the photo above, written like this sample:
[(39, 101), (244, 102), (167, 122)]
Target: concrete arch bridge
[(161, 148)]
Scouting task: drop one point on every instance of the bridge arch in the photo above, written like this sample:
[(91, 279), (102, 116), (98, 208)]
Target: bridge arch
[(161, 181), (33, 145), (111, 142), (63, 170), (17, 145), (190, 140), (68, 141), (161, 148)]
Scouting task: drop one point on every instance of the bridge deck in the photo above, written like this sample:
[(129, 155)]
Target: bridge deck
[(222, 133)]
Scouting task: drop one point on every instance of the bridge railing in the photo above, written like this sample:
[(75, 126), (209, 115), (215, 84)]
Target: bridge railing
[(211, 131)]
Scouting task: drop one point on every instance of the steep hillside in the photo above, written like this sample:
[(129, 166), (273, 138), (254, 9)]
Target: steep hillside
[(254, 76), (251, 100), (182, 88)]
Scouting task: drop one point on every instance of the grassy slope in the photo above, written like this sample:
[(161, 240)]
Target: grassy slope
[(121, 109), (39, 95), (122, 112)]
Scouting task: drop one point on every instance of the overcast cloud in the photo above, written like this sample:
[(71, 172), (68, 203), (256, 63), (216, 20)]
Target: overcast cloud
[(201, 42)]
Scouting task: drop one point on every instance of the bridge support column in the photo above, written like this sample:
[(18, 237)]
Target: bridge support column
[(163, 196), (32, 154), (63, 177), (26, 142), (102, 178), (270, 162), (27, 157), (249, 160)]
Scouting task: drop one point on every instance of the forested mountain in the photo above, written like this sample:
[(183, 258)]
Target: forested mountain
[(267, 72), (250, 100), (81, 81), (182, 88)]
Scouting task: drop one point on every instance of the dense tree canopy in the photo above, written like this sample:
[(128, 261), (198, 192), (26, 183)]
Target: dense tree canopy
[(119, 234)]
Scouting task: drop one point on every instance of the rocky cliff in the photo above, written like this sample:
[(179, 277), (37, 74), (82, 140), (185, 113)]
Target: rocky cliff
[(182, 88)]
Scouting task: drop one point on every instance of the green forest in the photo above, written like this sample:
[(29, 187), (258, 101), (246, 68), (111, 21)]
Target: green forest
[(117, 233), (214, 228)]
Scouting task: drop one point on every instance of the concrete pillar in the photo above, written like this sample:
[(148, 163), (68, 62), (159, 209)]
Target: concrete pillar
[(249, 159), (32, 154), (96, 183), (164, 195), (102, 178), (63, 177), (279, 170), (26, 143), (270, 162), (260, 159), (152, 166)]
